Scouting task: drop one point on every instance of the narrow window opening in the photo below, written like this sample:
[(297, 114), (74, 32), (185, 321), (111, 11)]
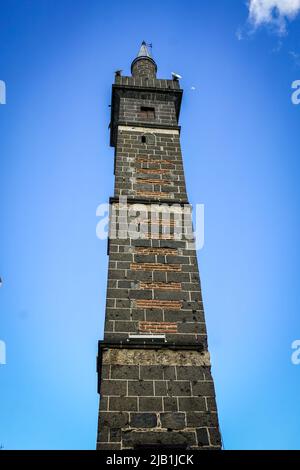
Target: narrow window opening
[(144, 140), (147, 113)]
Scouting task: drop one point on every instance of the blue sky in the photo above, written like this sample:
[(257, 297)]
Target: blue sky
[(241, 147)]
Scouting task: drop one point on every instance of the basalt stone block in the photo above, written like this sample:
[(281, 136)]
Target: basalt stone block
[(211, 404), (170, 404), (169, 372), (115, 435), (202, 437), (151, 372), (123, 404), (143, 420), (160, 388), (179, 388), (202, 419), (192, 404), (215, 437), (113, 388), (113, 420), (203, 389), (124, 372), (150, 404), (173, 420), (140, 388), (103, 434)]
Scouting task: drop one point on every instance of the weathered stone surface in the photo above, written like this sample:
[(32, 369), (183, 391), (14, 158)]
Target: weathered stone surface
[(192, 404), (170, 404), (201, 419), (124, 372), (143, 420), (211, 404), (113, 420), (203, 389), (123, 404), (215, 437), (169, 372), (115, 435), (140, 388), (150, 404), (103, 434), (160, 388), (173, 420), (154, 357), (202, 437), (190, 373), (151, 372), (113, 388), (179, 388)]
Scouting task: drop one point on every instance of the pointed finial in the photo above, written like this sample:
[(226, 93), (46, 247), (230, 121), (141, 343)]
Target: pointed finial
[(144, 51)]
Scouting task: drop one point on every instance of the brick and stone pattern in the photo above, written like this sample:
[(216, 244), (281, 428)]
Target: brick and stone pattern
[(151, 393), (152, 169), (154, 281)]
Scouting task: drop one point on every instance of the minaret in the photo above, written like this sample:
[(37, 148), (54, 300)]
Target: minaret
[(143, 65), (154, 373)]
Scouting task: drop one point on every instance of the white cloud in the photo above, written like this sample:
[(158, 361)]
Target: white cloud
[(275, 13)]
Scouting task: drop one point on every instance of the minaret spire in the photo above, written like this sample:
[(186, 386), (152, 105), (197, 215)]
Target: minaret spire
[(144, 51), (144, 65)]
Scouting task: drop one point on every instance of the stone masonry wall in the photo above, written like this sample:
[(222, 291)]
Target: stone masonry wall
[(151, 169), (152, 393), (159, 398), (130, 110), (154, 285), (144, 68)]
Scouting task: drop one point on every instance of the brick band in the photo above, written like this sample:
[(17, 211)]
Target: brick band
[(155, 267), (161, 304), (157, 327)]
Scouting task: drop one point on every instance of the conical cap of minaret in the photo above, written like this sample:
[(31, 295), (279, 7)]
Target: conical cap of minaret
[(144, 65), (144, 51)]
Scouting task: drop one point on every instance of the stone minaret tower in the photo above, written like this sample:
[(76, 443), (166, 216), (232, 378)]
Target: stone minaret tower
[(154, 370)]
